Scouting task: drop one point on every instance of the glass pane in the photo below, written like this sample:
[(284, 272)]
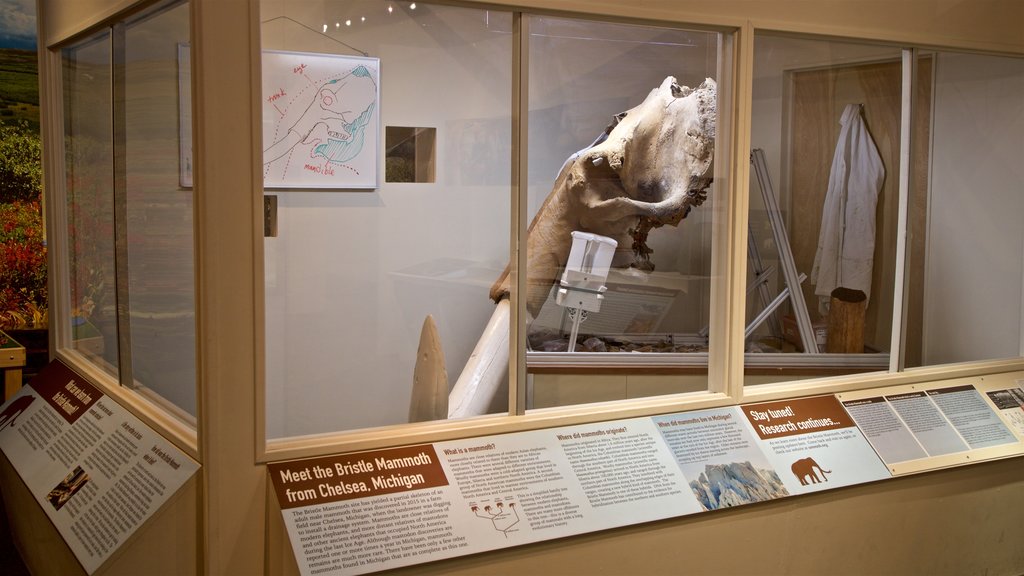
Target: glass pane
[(621, 147), (824, 198), (351, 275), (89, 165), (158, 198), (966, 278)]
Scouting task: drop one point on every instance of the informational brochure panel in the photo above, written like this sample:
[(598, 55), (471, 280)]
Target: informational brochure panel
[(382, 509), (369, 511), (814, 444), (96, 470), (914, 428)]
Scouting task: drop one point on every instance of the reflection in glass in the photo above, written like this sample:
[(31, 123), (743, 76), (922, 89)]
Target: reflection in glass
[(127, 95), (640, 178), (158, 204), (89, 162), (824, 196)]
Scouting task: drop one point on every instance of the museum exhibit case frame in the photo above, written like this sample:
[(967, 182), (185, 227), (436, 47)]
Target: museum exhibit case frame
[(228, 511)]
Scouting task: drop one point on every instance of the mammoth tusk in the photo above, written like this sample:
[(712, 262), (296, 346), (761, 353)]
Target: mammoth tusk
[(430, 378), (486, 369)]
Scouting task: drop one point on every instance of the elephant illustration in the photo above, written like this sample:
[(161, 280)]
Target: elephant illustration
[(803, 469)]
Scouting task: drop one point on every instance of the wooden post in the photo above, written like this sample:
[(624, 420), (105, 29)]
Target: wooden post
[(846, 321)]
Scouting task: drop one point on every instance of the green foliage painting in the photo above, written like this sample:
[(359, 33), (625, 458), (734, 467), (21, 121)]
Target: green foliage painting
[(22, 240)]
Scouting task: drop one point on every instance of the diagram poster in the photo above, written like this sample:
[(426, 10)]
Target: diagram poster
[(370, 511), (96, 470), (814, 444), (722, 462), (321, 120)]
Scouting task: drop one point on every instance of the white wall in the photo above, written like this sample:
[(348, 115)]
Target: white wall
[(975, 247)]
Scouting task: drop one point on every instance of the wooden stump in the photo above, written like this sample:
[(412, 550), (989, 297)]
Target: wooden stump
[(846, 321)]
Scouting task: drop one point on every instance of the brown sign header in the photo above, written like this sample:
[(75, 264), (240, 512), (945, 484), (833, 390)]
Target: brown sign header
[(798, 416), (68, 393), (300, 483)]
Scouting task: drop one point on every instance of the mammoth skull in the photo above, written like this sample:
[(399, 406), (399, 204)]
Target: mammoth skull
[(649, 168)]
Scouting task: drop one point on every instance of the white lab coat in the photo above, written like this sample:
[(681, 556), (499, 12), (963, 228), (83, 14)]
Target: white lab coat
[(846, 244)]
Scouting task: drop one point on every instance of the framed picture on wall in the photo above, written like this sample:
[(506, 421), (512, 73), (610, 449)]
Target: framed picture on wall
[(321, 121)]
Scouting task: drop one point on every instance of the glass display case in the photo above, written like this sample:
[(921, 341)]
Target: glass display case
[(824, 206), (400, 139), (623, 120), (127, 162)]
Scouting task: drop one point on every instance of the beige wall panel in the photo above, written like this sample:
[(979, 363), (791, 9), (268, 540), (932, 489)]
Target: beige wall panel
[(957, 521), (66, 18), (981, 24), (551, 390), (225, 45), (42, 549), (165, 544)]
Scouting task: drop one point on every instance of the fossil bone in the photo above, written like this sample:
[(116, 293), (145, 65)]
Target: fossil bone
[(430, 378), (649, 169), (653, 166)]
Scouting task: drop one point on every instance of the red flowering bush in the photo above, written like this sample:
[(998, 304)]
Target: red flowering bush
[(22, 243)]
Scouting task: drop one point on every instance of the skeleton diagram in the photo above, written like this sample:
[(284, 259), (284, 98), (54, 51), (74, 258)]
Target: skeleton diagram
[(332, 125)]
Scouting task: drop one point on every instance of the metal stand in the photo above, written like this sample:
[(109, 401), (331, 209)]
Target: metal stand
[(792, 277), (578, 315), (581, 288)]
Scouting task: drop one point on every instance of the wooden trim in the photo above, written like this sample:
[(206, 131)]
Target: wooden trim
[(228, 186), (517, 225)]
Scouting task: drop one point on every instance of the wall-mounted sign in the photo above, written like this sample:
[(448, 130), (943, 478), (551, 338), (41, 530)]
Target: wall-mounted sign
[(916, 427), (96, 470), (382, 509)]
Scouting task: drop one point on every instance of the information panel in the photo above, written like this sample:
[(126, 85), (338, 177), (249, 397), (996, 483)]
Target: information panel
[(915, 428), (357, 513), (96, 470), (382, 509), (814, 444)]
